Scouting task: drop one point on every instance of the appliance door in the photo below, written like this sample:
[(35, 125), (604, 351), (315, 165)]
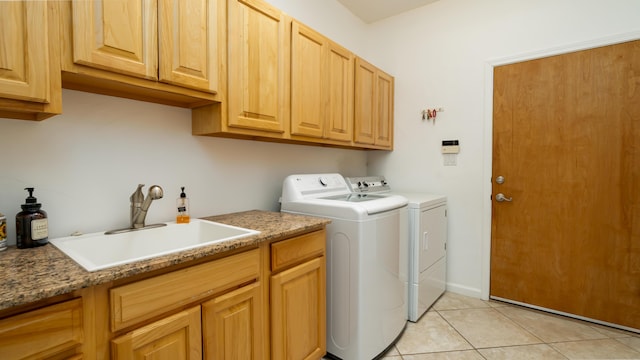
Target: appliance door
[(432, 236), (382, 290)]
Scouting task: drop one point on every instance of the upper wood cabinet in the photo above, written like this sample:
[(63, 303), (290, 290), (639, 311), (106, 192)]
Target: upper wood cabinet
[(162, 41), (29, 66), (254, 87), (321, 86), (340, 98), (373, 106), (286, 82), (308, 81), (121, 36), (256, 60)]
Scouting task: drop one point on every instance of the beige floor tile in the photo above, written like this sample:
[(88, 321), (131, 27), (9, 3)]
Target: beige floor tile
[(392, 352), (449, 355), (495, 303), (488, 328), (632, 342), (430, 334), (453, 301), (612, 332), (524, 352), (596, 349), (549, 327)]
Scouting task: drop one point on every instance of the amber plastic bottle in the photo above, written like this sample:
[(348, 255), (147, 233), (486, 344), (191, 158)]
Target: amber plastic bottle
[(182, 208), (32, 225)]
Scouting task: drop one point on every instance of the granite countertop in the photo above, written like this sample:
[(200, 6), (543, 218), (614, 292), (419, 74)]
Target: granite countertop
[(30, 275)]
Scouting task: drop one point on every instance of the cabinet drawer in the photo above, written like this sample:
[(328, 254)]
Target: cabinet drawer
[(290, 252), (145, 299), (42, 332)]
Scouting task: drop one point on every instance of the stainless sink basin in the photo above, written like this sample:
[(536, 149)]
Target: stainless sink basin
[(99, 251)]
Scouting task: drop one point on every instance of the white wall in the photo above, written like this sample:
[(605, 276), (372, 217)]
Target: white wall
[(438, 55), (86, 163)]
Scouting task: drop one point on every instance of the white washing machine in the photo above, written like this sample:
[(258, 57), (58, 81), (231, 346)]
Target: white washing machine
[(427, 224), (366, 275)]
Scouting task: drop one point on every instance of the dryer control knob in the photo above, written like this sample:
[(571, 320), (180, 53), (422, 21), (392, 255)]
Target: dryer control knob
[(323, 181)]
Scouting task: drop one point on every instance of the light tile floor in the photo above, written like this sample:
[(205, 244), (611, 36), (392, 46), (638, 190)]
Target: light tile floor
[(459, 327)]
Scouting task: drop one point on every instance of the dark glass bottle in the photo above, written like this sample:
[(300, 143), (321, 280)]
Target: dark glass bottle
[(32, 226)]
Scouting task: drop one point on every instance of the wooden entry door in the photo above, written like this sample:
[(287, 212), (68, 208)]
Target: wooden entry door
[(566, 140)]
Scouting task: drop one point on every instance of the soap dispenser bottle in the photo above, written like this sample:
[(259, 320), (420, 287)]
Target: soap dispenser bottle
[(182, 206), (32, 225)]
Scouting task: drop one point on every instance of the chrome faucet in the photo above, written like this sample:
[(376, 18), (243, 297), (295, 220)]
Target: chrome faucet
[(139, 207)]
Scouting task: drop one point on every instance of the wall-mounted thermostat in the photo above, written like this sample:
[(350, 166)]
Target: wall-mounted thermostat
[(450, 146)]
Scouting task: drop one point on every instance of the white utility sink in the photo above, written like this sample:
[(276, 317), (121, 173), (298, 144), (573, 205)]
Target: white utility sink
[(99, 251)]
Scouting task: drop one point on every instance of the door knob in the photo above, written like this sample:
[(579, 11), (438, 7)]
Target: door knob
[(500, 197)]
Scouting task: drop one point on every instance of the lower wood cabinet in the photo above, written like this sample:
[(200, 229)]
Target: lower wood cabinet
[(298, 298), (232, 325), (51, 332), (178, 336), (264, 303), (298, 312)]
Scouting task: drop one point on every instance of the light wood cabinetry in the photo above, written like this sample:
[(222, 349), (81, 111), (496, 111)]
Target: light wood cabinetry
[(298, 304), (256, 62), (231, 322), (285, 82), (154, 50), (231, 325), (29, 65), (178, 336), (51, 332), (373, 106), (321, 87), (143, 300), (263, 303), (255, 102)]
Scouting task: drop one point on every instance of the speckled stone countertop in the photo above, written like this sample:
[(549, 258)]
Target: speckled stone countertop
[(29, 275)]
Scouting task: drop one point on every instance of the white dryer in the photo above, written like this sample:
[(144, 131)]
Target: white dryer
[(427, 224), (427, 250)]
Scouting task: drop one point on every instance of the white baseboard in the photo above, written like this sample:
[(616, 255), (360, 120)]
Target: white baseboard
[(465, 290)]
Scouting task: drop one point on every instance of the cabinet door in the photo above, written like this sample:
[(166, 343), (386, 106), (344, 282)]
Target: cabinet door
[(298, 313), (232, 325), (256, 61), (42, 333), (384, 110), (308, 75), (340, 94), (373, 106), (188, 43), (177, 337), (365, 107), (117, 35), (24, 51)]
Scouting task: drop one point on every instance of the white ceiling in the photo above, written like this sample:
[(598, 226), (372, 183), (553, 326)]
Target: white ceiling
[(373, 10)]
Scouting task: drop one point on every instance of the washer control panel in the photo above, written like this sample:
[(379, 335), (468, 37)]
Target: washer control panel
[(362, 184)]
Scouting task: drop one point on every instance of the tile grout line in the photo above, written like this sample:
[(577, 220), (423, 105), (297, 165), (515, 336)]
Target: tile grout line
[(459, 333)]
